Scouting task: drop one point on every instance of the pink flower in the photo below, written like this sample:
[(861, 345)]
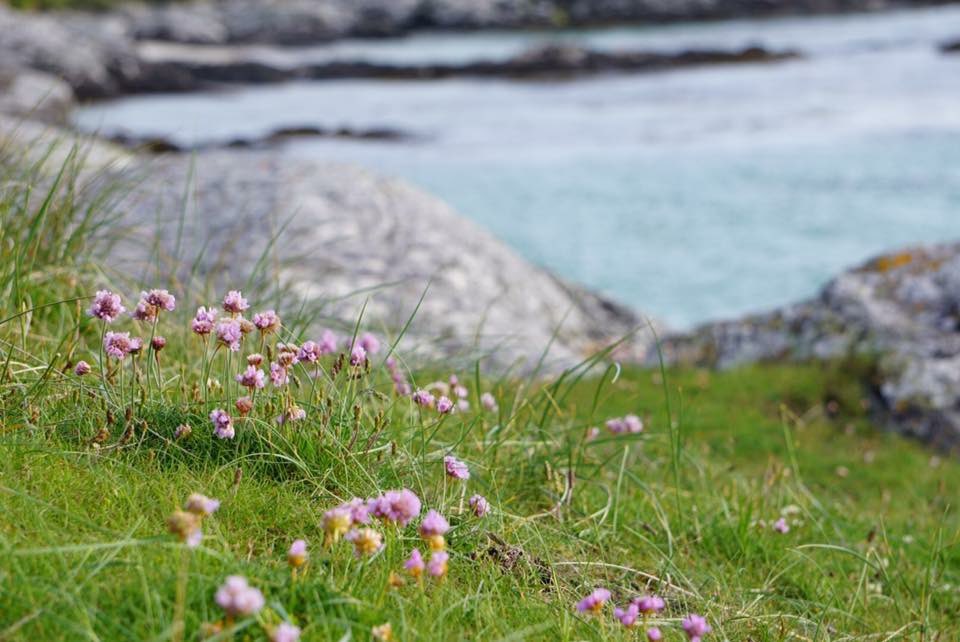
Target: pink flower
[(297, 555), (234, 303), (592, 433), (489, 402), (293, 413), (222, 424), (414, 565), (160, 299), (594, 602), (136, 345), (203, 321), (359, 511), (370, 343), (243, 405), (328, 342), (463, 405), (366, 541), (628, 617), (118, 344), (654, 634), (444, 406), (781, 526), (237, 597), (106, 306), (278, 375), (202, 505), (695, 626), (309, 352), (437, 566), (615, 425), (423, 398), (461, 392), (433, 524), (400, 506), (358, 356), (633, 424), (649, 604), (144, 311), (456, 468), (229, 333), (82, 368), (158, 343), (251, 378), (182, 431), (285, 632), (267, 322), (400, 385), (479, 505)]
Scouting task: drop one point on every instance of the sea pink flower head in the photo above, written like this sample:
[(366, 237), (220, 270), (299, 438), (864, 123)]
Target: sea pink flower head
[(479, 505), (293, 413), (230, 334), (781, 526), (628, 616), (489, 402), (633, 424), (117, 344), (370, 343), (234, 303), (358, 355), (359, 511), (456, 468), (297, 555), (309, 352), (203, 321), (81, 368), (251, 378), (182, 431), (366, 541), (267, 321), (278, 375), (255, 359), (654, 634), (437, 566), (423, 398), (444, 406), (695, 626), (222, 424), (615, 425), (414, 564), (202, 505), (594, 602), (144, 311), (592, 433), (400, 506), (160, 299), (237, 597), (285, 632), (461, 392), (649, 604), (158, 343), (106, 306), (136, 345), (433, 524), (243, 405), (328, 342)]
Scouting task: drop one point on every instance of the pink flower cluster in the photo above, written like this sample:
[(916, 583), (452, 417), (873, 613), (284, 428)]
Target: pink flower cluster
[(222, 424), (694, 626), (106, 306), (456, 468), (631, 424), (237, 597)]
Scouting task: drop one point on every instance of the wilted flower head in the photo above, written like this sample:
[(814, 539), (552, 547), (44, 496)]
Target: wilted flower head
[(437, 566), (144, 311), (186, 526), (285, 632), (400, 506), (358, 356), (423, 398), (106, 306), (382, 632), (456, 468), (366, 541), (278, 375), (309, 352), (222, 424), (251, 378), (480, 505), (414, 564), (243, 405), (182, 431), (369, 343), (118, 344), (695, 626), (488, 401), (328, 342), (297, 555), (158, 343), (202, 505), (628, 616), (781, 526), (234, 303), (254, 359), (81, 368), (237, 597), (230, 334), (649, 604), (267, 321), (594, 602), (203, 321), (444, 406)]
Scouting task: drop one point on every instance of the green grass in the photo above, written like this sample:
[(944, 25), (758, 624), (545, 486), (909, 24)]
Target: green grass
[(684, 509)]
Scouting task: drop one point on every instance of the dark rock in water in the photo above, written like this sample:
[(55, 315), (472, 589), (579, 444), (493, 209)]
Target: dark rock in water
[(903, 308), (951, 47)]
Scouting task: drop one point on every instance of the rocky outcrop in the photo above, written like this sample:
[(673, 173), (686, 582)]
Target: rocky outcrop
[(951, 47), (903, 309), (35, 95)]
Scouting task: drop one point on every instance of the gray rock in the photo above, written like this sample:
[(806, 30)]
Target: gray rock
[(35, 95), (903, 308)]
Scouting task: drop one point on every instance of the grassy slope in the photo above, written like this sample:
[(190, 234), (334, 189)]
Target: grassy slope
[(84, 555)]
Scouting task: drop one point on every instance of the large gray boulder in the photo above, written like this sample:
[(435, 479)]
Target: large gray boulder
[(902, 308)]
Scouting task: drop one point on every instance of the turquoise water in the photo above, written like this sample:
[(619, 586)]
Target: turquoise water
[(692, 195)]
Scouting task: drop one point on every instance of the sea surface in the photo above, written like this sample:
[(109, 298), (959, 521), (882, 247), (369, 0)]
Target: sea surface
[(693, 194)]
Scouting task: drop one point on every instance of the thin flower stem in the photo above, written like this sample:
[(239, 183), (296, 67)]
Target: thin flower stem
[(180, 605)]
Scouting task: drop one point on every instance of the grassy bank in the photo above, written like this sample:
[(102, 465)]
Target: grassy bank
[(92, 468)]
